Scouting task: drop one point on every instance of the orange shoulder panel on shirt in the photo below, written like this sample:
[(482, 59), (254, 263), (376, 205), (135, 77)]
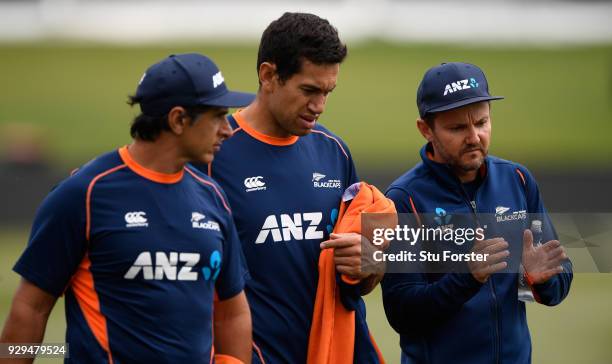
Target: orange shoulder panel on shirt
[(522, 176), (83, 287)]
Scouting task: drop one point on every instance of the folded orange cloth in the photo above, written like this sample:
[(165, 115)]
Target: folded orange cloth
[(332, 334)]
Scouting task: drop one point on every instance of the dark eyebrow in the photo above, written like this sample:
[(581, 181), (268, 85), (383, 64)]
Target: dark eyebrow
[(222, 111), (310, 87)]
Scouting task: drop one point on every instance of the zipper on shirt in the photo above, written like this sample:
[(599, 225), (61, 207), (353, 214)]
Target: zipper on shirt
[(496, 340), (496, 343)]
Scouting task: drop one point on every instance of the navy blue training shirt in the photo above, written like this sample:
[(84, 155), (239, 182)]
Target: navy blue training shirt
[(285, 194), (139, 256)]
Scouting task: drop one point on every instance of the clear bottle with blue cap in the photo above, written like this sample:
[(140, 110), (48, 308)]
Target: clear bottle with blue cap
[(524, 291)]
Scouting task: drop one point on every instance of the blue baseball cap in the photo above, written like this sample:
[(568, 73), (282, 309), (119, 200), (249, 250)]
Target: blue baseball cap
[(452, 85), (185, 80)]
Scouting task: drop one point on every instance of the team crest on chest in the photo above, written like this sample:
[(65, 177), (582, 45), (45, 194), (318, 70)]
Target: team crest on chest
[(198, 221), (319, 180)]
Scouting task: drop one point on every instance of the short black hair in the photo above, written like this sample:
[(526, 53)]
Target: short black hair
[(148, 127), (293, 37), (429, 119)]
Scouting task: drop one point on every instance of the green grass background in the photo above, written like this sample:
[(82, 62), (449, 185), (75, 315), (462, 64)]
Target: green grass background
[(557, 110), (557, 114)]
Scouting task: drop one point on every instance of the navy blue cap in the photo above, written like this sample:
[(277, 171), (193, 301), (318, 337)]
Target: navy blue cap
[(452, 85), (185, 80)]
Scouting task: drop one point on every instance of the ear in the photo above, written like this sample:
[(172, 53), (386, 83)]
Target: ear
[(177, 120), (268, 78), (424, 129)]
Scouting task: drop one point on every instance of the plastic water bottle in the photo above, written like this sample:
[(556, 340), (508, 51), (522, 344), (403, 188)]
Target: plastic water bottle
[(524, 291), (536, 230)]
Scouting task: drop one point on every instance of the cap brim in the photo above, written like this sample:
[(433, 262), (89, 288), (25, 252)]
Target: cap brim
[(230, 99), (464, 102)]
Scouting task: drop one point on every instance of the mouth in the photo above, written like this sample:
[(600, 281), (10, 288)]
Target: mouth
[(308, 121), (472, 150), (217, 147)]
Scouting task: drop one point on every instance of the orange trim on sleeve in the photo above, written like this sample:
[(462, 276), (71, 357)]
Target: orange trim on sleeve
[(263, 137), (531, 284), (227, 359), (334, 139), (522, 176), (88, 197), (148, 173), (259, 354), (212, 185), (87, 298), (414, 210)]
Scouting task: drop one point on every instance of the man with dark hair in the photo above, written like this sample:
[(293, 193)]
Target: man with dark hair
[(473, 315), (139, 242), (285, 175)]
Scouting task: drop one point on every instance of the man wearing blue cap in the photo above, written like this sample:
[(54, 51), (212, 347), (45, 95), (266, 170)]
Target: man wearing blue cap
[(474, 316), (139, 242)]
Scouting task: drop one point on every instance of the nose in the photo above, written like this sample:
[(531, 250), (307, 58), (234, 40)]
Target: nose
[(225, 131), (317, 104), (472, 136)]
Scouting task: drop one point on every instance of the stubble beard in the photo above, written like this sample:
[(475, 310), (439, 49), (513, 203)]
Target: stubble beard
[(455, 162)]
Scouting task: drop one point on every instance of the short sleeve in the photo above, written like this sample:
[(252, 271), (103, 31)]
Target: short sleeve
[(352, 176), (57, 242), (234, 271)]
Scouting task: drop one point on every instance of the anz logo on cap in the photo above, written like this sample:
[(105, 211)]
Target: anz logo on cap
[(217, 79), (460, 85)]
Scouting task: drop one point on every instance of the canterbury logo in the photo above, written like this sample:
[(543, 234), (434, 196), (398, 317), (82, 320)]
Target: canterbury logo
[(136, 219), (291, 227), (254, 184)]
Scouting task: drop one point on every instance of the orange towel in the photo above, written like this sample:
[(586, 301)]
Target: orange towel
[(332, 334)]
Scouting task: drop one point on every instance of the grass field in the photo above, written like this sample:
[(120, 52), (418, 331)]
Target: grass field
[(557, 109), (577, 331)]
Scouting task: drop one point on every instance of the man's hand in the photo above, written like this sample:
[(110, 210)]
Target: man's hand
[(497, 248), (347, 254), (544, 261)]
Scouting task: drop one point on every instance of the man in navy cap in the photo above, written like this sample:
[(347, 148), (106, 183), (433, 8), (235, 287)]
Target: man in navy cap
[(475, 315), (139, 242)]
